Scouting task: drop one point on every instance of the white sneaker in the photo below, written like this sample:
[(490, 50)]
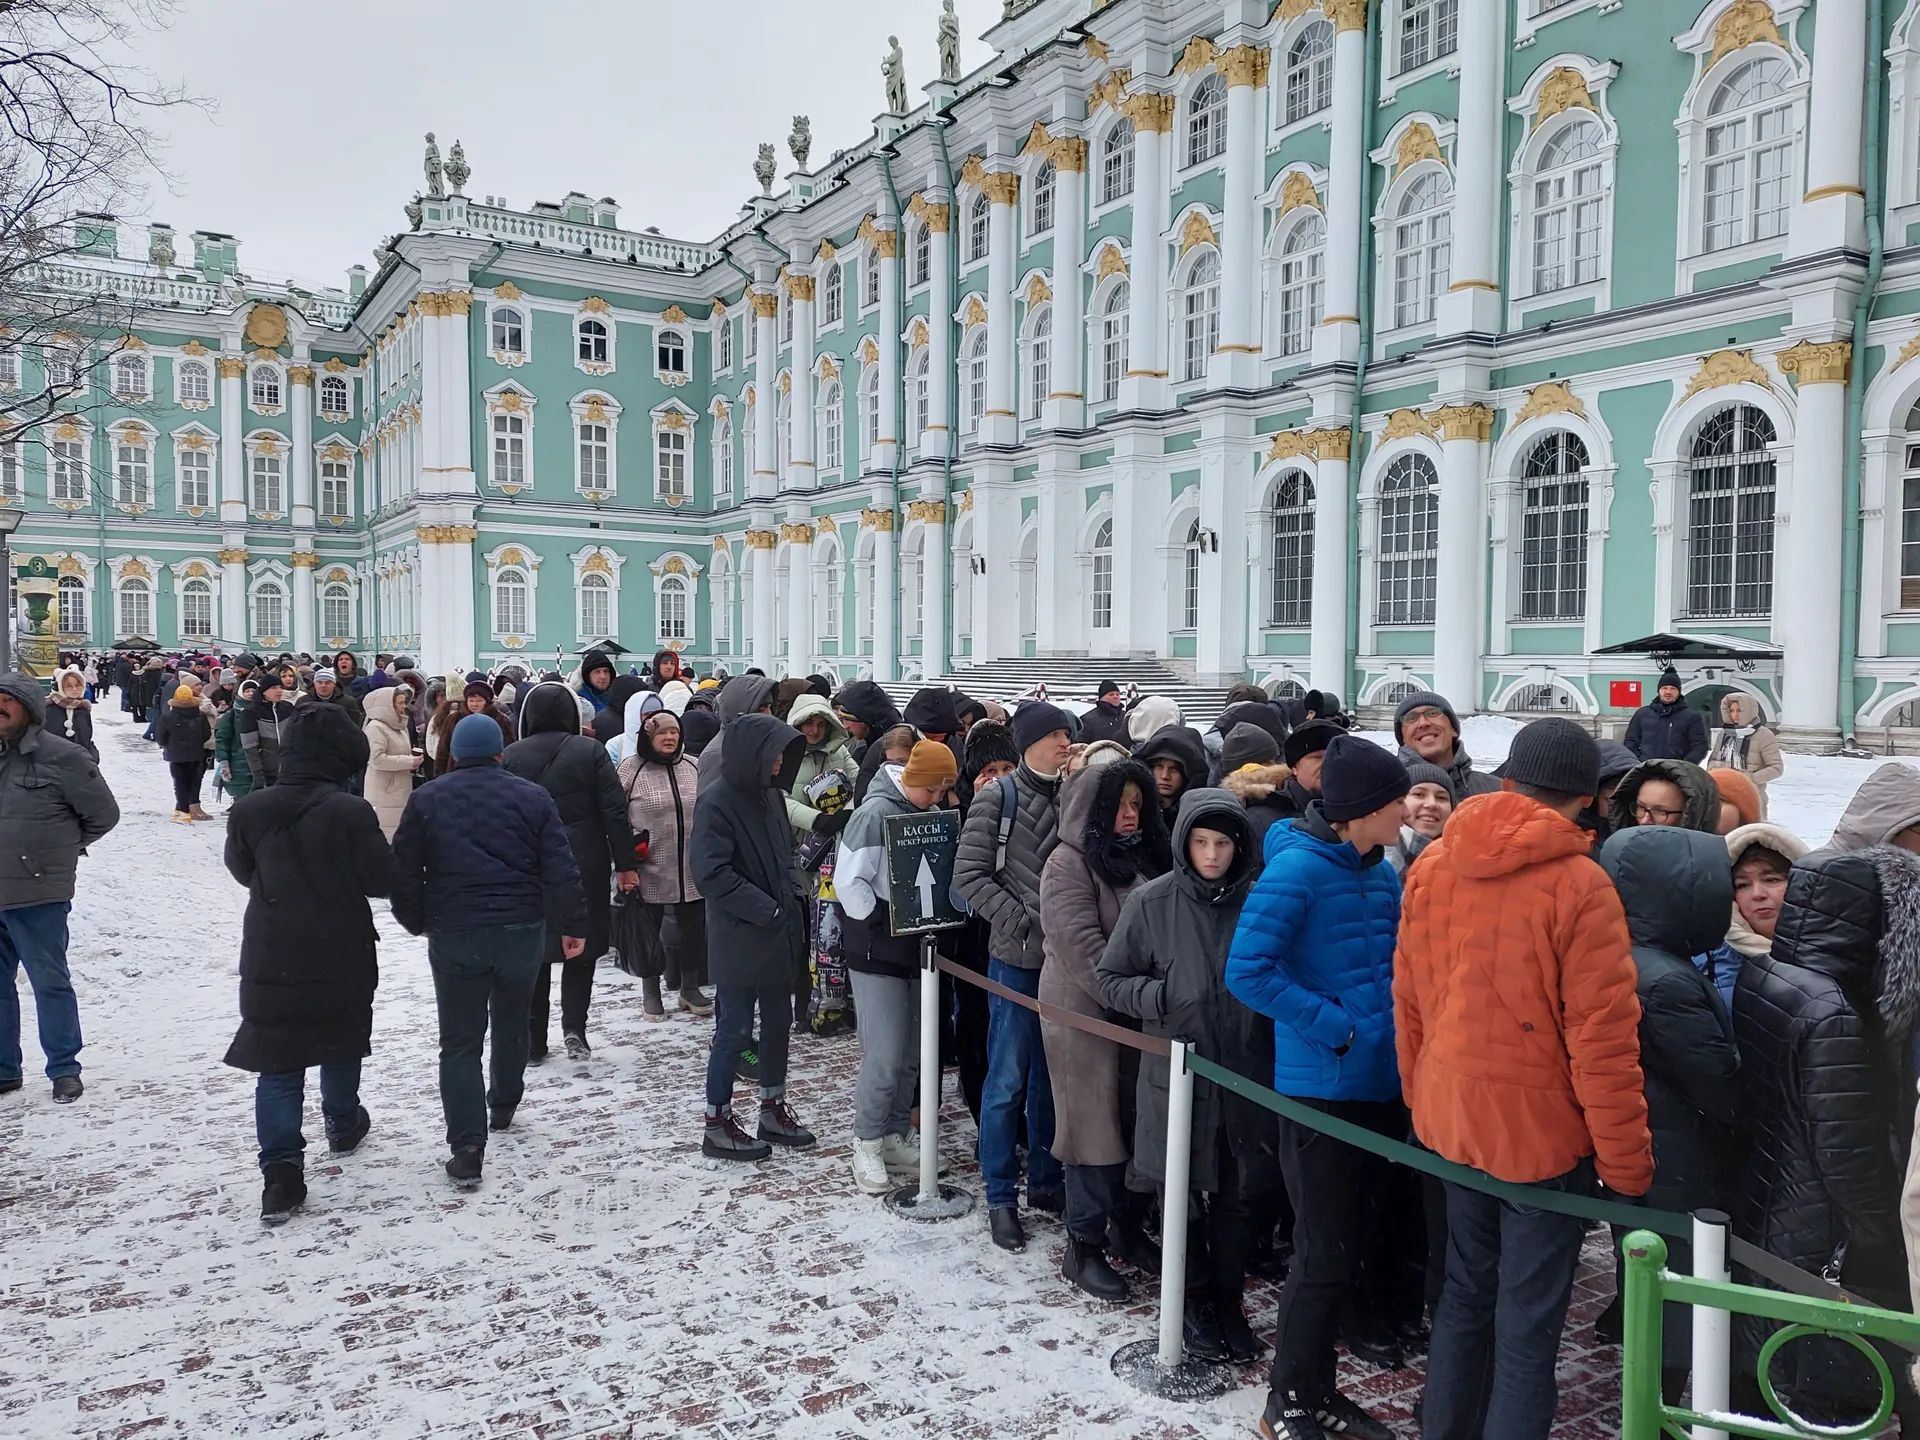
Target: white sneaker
[(870, 1167), (902, 1154)]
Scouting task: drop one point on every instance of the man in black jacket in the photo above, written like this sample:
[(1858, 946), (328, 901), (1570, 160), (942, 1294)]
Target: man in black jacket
[(1107, 720), (1669, 728), (867, 711), (756, 927), (476, 853)]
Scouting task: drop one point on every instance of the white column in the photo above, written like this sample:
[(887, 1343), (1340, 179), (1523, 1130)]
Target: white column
[(760, 545), (997, 536), (1832, 215), (1457, 619), (934, 585), (800, 297), (999, 426), (1337, 339), (1472, 301), (300, 409), (1065, 408), (1062, 610), (1806, 586), (1135, 627), (440, 460), (797, 536), (1236, 360), (233, 501), (886, 640), (1144, 386), (305, 626), (1332, 546), (1220, 646), (886, 253), (939, 221), (764, 483)]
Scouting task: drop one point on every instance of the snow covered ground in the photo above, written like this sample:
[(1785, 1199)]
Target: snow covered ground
[(606, 1281)]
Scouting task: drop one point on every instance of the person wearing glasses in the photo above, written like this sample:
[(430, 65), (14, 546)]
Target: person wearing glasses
[(1666, 792), (1426, 728)]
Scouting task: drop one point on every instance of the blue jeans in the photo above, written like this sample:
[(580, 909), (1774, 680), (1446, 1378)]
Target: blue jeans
[(480, 975), (1496, 1331), (36, 936), (1016, 1076), (733, 1007), (279, 1099)]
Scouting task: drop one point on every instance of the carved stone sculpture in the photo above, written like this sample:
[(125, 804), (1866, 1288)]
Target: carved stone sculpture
[(800, 142), (763, 169), (949, 43), (457, 169), (894, 68), (414, 211), (436, 182)]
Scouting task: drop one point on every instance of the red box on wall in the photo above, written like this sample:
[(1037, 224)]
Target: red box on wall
[(1624, 694)]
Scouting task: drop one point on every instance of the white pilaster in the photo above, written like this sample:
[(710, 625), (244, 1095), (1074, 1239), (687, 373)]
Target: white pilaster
[(1144, 386), (442, 456), (886, 634), (1832, 214), (1472, 301), (999, 426), (305, 622), (1806, 584), (800, 297), (300, 410), (763, 646), (1061, 616), (797, 536), (1135, 624), (1065, 407), (1332, 554), (233, 589), (1337, 338), (765, 480), (233, 437), (934, 585), (938, 218), (886, 253), (1220, 645), (996, 628), (1457, 621), (1236, 360)]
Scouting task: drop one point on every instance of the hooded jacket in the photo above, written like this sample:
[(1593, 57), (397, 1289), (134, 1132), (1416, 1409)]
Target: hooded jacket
[(637, 707), (742, 855), (1182, 745), (871, 706), (1165, 965), (657, 675), (594, 660), (1314, 953), (53, 804), (390, 769), (1084, 883), (227, 749), (1515, 1013), (1887, 802), (861, 886), (1662, 731), (931, 710), (660, 792), (1270, 794), (1008, 898), (739, 697), (1675, 886), (832, 753), (1467, 781), (1741, 943), (1149, 715), (72, 721), (1700, 798), (1754, 750), (260, 736), (184, 731), (310, 853)]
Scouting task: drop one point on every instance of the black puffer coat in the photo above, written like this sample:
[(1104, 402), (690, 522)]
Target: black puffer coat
[(1182, 745), (866, 702), (310, 854), (743, 855), (579, 774), (1104, 721)]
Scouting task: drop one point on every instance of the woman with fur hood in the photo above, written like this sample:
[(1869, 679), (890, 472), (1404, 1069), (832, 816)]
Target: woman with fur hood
[(391, 759), (1111, 838), (1761, 858)]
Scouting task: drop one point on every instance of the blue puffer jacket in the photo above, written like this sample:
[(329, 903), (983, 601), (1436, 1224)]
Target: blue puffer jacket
[(1314, 951)]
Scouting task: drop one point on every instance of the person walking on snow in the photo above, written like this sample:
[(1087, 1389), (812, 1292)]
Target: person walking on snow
[(1668, 728), (391, 758), (184, 732), (660, 781), (478, 852), (310, 854)]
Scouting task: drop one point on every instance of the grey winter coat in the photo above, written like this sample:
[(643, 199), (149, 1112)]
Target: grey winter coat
[(53, 804), (1887, 802), (1009, 899), (1086, 880), (1167, 965), (1467, 781), (742, 856)]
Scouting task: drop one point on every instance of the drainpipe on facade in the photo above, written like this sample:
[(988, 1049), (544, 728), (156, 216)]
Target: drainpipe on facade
[(899, 399), (1354, 454), (953, 397), (1856, 380)]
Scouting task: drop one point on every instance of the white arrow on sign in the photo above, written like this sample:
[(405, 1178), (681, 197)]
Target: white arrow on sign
[(923, 882)]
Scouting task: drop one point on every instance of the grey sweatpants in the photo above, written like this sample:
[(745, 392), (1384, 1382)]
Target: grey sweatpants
[(889, 1011)]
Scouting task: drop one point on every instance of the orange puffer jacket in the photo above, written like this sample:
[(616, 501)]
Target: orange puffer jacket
[(1514, 1004)]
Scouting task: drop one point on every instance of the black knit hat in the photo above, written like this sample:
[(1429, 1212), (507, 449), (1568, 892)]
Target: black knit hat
[(1310, 739), (1555, 754), (1669, 676), (1036, 720), (987, 742), (1420, 700), (1107, 687), (1247, 744), (1358, 778)]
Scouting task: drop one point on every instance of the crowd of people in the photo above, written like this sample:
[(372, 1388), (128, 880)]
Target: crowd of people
[(1599, 967)]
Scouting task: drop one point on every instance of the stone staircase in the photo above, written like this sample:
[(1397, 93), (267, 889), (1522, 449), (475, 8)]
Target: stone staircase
[(1072, 679)]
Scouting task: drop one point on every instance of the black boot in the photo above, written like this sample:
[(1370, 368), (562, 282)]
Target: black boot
[(1609, 1326), (1377, 1346), (725, 1140), (10, 1083), (1129, 1244), (1243, 1348), (1008, 1233), (347, 1138), (499, 1117), (1047, 1202), (463, 1168), (1200, 1333), (652, 1006), (67, 1089), (1085, 1268), (285, 1191)]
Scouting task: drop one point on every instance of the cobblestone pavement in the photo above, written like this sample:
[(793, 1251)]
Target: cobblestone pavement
[(606, 1281)]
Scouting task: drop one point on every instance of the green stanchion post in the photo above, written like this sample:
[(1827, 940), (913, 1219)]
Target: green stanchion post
[(1640, 1417)]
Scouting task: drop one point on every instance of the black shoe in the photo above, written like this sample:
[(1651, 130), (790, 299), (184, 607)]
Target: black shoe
[(463, 1168), (1003, 1221), (1243, 1347), (577, 1047), (536, 1054), (10, 1084), (1377, 1348), (1266, 1261), (499, 1117), (1413, 1333), (1287, 1417), (1200, 1333), (1085, 1268), (67, 1089), (725, 1140), (747, 1068), (1129, 1244), (1609, 1326), (1048, 1202), (779, 1127), (346, 1140), (1340, 1416), (285, 1192)]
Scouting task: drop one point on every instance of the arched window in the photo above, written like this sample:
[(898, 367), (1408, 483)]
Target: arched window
[(670, 462), (786, 319), (723, 342), (720, 597), (1100, 588), (509, 329), (1303, 291), (1309, 72), (591, 441), (1113, 339), (592, 343), (1409, 542), (130, 376), (334, 396), (596, 607), (195, 382), (913, 594), (870, 282), (750, 328), (783, 433), (196, 610), (269, 610), (1200, 315), (1569, 208), (1910, 518), (1043, 190), (264, 383), (922, 255), (869, 410), (1190, 579), (1429, 29), (833, 438), (917, 395), (134, 601), (73, 605), (1039, 360), (1749, 152), (1207, 121), (510, 601), (267, 490), (979, 228), (132, 469), (670, 352), (1292, 552), (974, 369), (1553, 555), (336, 611), (674, 608), (1116, 163), (1730, 516), (723, 461), (1422, 248), (832, 295), (830, 591)]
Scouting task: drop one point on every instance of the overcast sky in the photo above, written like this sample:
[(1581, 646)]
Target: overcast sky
[(315, 140)]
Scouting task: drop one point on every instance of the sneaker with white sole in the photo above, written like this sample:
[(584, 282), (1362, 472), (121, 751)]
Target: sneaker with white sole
[(901, 1154), (870, 1170)]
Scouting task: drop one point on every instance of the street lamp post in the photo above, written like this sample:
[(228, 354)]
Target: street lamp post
[(10, 519)]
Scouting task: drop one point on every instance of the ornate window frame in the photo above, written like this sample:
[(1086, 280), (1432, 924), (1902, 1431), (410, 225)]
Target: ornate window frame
[(267, 370), (523, 562), (595, 310), (1388, 440), (195, 438), (263, 444), (830, 405), (1565, 91), (334, 449), (673, 418), (675, 568), (1280, 69), (1392, 78), (260, 574), (509, 397), (604, 562), (133, 354), (725, 452), (76, 431), (138, 436), (1296, 195), (125, 570), (1185, 168), (1408, 155), (328, 381), (203, 360), (516, 303), (664, 336), (347, 580), (596, 407)]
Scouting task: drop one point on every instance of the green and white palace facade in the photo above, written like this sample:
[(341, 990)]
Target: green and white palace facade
[(1364, 345)]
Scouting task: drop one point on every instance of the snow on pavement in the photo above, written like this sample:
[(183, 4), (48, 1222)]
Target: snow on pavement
[(607, 1280)]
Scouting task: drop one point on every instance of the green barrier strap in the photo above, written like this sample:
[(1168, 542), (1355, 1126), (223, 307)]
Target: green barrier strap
[(1535, 1197)]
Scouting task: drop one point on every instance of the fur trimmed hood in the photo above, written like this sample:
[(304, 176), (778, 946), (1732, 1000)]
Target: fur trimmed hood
[(1898, 979), (1254, 783)]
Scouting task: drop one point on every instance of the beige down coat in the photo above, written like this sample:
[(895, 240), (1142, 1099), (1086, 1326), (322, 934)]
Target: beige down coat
[(1082, 887), (389, 782)]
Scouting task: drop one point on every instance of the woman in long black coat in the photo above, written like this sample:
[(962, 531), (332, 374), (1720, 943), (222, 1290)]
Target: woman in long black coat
[(554, 754), (309, 853)]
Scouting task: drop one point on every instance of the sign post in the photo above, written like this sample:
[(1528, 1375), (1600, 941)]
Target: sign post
[(920, 854)]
